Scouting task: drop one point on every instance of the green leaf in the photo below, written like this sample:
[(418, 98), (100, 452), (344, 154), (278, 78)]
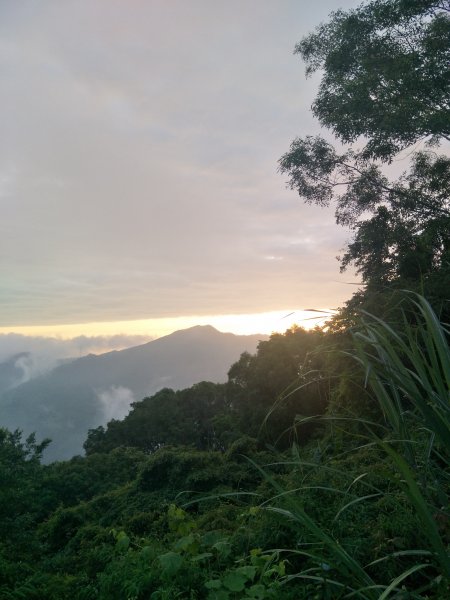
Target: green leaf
[(218, 595), (170, 562), (203, 556), (187, 543), (123, 542), (213, 584), (235, 582), (257, 591), (247, 571), (223, 548), (211, 537)]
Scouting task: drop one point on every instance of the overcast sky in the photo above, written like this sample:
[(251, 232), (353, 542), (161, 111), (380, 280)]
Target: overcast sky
[(138, 161)]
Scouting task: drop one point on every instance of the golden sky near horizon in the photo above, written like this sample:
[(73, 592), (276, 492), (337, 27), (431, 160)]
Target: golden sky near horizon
[(243, 324), (138, 168)]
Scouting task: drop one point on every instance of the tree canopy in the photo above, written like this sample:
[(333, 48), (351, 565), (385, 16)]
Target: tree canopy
[(385, 79), (386, 73)]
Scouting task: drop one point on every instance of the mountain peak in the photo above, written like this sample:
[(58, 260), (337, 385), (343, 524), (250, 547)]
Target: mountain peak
[(90, 391), (197, 329)]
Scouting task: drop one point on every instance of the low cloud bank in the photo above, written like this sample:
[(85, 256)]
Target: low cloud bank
[(38, 355)]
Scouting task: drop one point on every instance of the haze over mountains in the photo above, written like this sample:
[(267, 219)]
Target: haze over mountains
[(87, 392)]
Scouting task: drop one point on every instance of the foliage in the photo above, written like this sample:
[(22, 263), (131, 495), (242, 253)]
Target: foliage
[(407, 236), (320, 470), (19, 468), (385, 73), (210, 416), (168, 417), (360, 509), (408, 370), (410, 375), (277, 372)]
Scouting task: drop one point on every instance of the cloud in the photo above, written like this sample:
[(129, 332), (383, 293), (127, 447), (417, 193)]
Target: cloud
[(138, 161), (115, 403), (26, 365), (38, 355)]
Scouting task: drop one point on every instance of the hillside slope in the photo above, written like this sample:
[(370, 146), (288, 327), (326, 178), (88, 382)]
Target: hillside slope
[(89, 391)]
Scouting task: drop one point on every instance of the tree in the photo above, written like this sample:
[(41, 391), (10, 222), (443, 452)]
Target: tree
[(183, 417), (385, 77), (386, 73), (20, 472), (278, 383), (21, 491)]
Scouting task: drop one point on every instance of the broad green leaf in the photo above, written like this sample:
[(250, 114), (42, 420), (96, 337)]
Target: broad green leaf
[(213, 584), (247, 571), (235, 582), (257, 591), (171, 562)]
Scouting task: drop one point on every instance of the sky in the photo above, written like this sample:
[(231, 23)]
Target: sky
[(139, 190)]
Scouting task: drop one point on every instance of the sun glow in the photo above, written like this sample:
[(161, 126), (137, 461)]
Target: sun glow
[(241, 324)]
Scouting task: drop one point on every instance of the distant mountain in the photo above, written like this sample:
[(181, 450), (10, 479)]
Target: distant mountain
[(90, 391)]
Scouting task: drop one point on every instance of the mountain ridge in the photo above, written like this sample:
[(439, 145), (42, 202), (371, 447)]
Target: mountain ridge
[(88, 391)]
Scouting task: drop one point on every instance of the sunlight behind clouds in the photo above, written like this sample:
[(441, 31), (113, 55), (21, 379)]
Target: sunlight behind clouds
[(139, 150), (240, 324)]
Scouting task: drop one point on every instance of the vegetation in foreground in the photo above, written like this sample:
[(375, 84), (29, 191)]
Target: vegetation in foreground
[(343, 505), (321, 469)]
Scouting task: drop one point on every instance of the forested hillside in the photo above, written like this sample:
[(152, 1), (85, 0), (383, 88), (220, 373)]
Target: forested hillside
[(87, 392), (321, 468), (217, 491)]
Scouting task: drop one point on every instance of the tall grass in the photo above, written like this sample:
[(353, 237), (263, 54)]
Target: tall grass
[(409, 371), (407, 368)]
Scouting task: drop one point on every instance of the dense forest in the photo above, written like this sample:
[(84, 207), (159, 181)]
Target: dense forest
[(321, 468)]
